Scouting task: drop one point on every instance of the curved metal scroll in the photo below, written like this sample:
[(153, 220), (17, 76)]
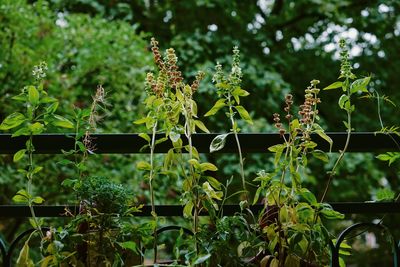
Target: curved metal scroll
[(8, 256), (348, 230)]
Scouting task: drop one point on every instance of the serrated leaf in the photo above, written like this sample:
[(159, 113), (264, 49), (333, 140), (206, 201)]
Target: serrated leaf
[(60, 121), (201, 126), (244, 114), (19, 155), (217, 106), (218, 142), (334, 85), (13, 120), (33, 95)]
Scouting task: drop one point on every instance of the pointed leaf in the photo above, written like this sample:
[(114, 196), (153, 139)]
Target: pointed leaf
[(244, 114), (201, 126), (62, 122), (360, 85), (217, 106), (12, 121), (208, 167), (218, 142), (33, 95), (19, 155), (334, 85)]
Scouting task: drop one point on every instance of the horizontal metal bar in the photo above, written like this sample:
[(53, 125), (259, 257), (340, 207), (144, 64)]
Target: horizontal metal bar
[(12, 211), (250, 142)]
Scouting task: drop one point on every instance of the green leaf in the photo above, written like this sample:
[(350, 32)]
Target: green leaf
[(38, 200), (12, 121), (214, 182), (218, 142), (187, 209), (334, 85), (211, 192), (329, 213), (342, 100), (174, 136), (161, 140), (48, 99), (60, 121), (23, 259), (33, 95), (19, 155), (217, 106), (308, 196), (244, 114), (208, 167), (20, 97), (143, 165), (238, 92), (385, 194), (277, 148), (319, 154), (201, 258), (195, 164), (36, 128), (142, 120), (323, 135), (145, 137), (21, 197), (129, 245), (201, 126), (52, 108), (360, 85)]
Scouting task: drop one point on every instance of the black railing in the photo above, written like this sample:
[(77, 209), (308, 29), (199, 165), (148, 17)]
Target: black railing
[(251, 143)]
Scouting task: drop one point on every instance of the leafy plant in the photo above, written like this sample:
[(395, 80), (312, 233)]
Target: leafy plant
[(39, 114), (230, 92)]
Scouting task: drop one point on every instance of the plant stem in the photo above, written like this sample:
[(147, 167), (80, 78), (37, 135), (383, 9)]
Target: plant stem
[(241, 161), (343, 151), (29, 187), (151, 176)]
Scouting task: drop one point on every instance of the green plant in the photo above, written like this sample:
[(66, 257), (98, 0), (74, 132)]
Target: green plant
[(39, 115), (229, 92), (294, 219)]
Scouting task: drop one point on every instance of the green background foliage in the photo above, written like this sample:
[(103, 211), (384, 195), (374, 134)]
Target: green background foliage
[(284, 44)]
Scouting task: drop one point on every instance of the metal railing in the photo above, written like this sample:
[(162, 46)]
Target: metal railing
[(251, 143)]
